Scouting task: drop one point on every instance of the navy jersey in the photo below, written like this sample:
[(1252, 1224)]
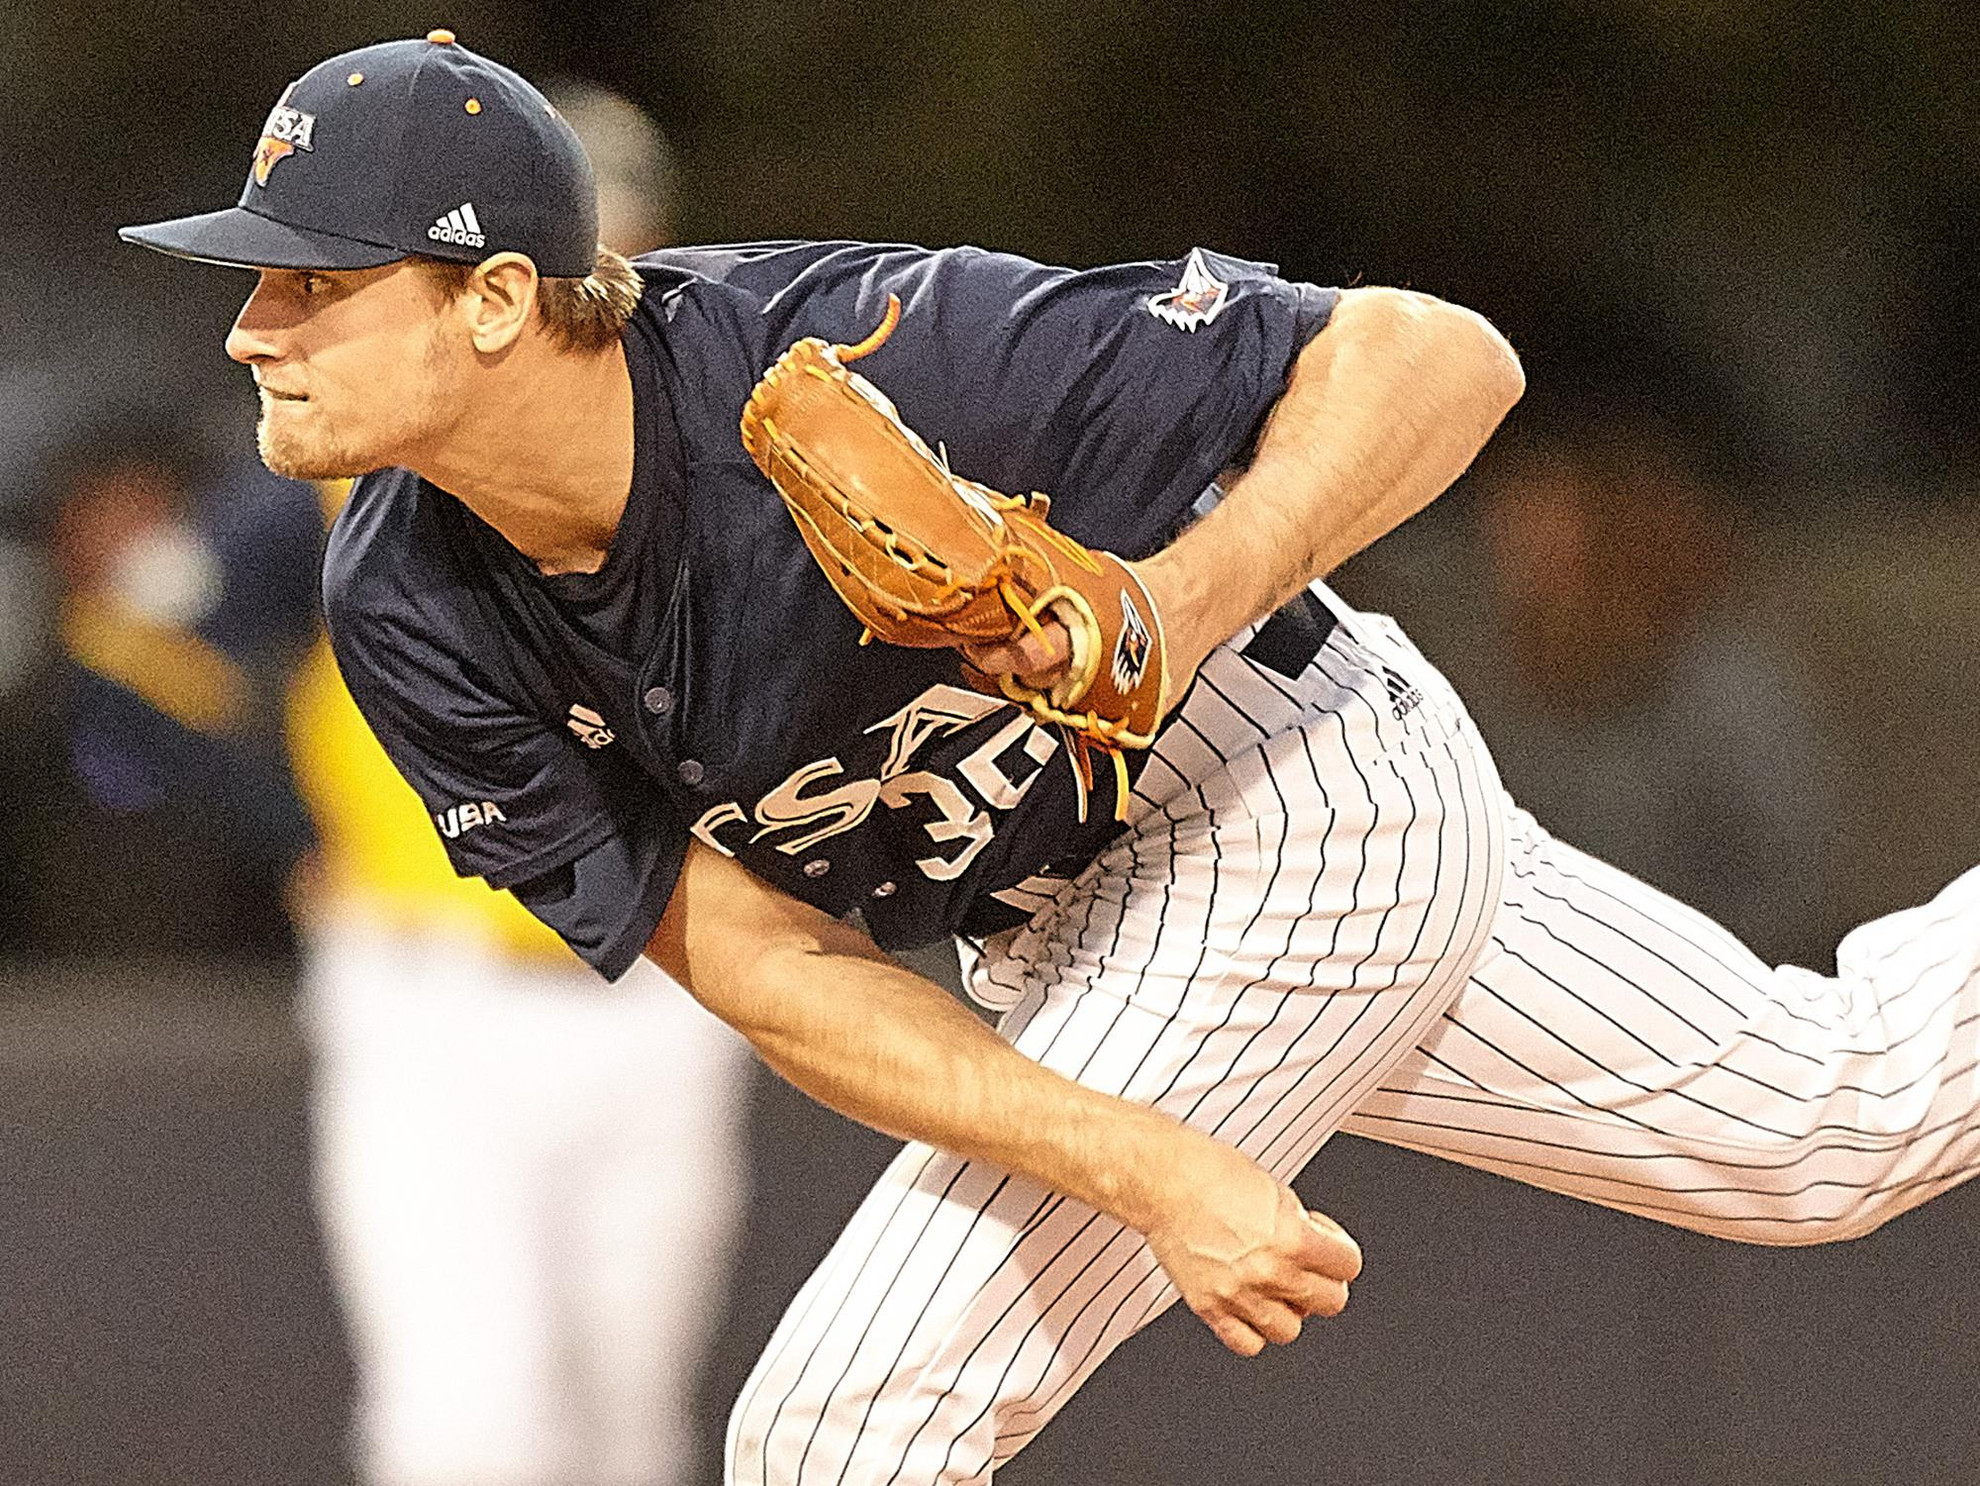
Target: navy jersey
[(572, 734)]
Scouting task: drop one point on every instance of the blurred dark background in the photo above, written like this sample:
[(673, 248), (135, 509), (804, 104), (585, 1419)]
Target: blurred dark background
[(1765, 212), (1711, 593)]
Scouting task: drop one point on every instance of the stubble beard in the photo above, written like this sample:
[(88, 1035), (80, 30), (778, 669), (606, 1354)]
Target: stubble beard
[(317, 451), (301, 458)]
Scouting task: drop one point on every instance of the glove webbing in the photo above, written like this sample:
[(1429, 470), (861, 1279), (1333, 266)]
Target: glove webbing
[(1088, 731)]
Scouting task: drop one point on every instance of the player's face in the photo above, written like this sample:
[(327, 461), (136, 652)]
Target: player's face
[(357, 369)]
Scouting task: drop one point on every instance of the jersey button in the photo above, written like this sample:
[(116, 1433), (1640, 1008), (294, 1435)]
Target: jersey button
[(657, 700), (690, 772), (817, 867), (886, 890)]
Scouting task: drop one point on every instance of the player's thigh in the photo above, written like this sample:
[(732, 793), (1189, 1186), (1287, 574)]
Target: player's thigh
[(1297, 908), (1250, 956), (1615, 1045)]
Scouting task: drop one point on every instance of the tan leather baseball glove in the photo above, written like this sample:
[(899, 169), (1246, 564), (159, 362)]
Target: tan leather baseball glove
[(924, 557)]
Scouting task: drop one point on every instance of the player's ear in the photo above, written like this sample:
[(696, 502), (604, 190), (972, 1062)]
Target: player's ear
[(501, 297)]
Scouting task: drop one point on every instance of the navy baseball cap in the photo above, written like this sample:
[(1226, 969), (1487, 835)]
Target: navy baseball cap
[(401, 148)]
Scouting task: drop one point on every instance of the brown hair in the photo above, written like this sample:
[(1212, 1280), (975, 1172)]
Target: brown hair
[(584, 314)]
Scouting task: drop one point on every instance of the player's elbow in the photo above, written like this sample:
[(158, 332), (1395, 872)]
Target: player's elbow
[(733, 940), (1500, 378), (751, 981), (1451, 355)]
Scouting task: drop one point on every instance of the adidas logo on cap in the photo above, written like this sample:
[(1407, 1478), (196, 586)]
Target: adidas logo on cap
[(459, 226)]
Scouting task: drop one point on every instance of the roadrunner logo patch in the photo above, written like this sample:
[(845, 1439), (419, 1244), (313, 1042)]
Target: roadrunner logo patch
[(1131, 650), (1196, 301), (287, 130)]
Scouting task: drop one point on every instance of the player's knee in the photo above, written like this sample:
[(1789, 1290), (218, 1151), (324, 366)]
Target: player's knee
[(1857, 1219), (1821, 1214)]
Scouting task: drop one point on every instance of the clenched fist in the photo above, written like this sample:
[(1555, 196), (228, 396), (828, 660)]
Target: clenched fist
[(1246, 1255)]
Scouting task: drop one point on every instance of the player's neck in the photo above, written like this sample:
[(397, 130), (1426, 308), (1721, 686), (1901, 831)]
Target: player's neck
[(545, 455)]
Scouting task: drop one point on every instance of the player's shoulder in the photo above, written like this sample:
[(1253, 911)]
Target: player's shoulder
[(391, 562), (770, 293), (772, 276), (769, 267), (983, 285)]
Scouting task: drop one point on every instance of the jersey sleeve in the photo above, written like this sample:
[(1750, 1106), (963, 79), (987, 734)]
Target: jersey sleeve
[(584, 847), (1121, 392)]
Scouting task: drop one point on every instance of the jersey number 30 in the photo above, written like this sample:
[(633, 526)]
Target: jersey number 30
[(815, 815)]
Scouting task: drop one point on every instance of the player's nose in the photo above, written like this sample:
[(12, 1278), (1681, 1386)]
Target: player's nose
[(251, 338)]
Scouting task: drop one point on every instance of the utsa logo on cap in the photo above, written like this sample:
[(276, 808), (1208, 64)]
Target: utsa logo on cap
[(426, 148), (287, 130), (1197, 300)]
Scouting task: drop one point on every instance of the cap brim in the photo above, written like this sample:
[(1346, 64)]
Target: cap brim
[(239, 238)]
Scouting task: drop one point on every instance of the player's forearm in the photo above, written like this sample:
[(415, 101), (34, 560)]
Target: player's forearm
[(894, 1051), (1385, 408)]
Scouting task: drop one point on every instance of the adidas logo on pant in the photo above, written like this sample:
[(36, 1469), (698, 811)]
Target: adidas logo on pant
[(1403, 698), (459, 226)]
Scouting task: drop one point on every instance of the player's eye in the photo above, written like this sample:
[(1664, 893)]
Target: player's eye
[(313, 284)]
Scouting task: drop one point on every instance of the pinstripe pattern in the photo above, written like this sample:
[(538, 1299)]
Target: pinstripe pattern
[(1326, 916), (1305, 879), (1616, 1046)]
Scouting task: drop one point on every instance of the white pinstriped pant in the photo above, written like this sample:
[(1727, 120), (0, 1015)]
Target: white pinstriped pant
[(1325, 916)]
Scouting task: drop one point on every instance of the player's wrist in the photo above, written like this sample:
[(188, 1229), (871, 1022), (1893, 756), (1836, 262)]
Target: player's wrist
[(1166, 1170), (1186, 605), (1120, 1158)]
